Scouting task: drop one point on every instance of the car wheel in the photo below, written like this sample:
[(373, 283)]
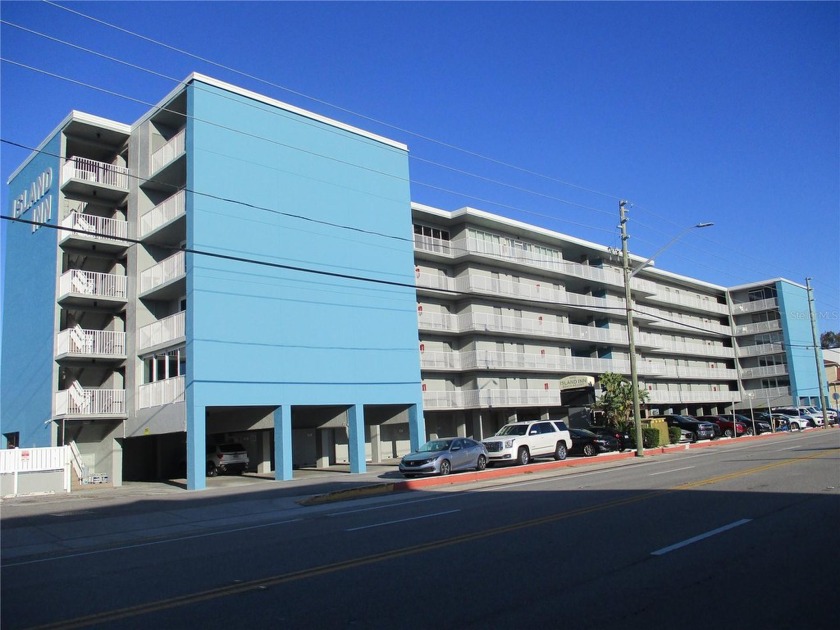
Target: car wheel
[(693, 438), (445, 467), (523, 456), (560, 451), (212, 471), (481, 464), (749, 432), (727, 433), (588, 450)]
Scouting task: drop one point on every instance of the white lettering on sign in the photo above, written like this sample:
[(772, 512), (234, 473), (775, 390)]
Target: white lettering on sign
[(33, 197)]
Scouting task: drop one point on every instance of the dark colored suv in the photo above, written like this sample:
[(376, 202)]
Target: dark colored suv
[(699, 430)]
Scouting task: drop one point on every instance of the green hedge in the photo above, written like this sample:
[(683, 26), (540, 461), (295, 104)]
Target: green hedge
[(674, 434)]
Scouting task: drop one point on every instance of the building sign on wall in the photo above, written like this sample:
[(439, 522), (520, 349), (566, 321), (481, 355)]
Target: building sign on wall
[(577, 381), (35, 198)]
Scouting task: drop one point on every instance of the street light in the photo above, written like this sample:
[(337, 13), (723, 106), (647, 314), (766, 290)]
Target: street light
[(628, 306)]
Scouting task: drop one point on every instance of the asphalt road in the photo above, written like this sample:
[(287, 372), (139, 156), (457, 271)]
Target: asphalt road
[(741, 536)]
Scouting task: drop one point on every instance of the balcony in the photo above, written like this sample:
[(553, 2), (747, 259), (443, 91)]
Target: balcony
[(770, 396), (165, 392), (486, 398), (703, 304), (756, 306), (693, 349), (166, 154), (91, 232), (79, 401), (662, 319), (431, 245), (78, 343), (761, 349), (698, 373), (758, 327), (660, 397), (81, 176), (161, 225), (165, 332), (160, 281), (80, 288), (764, 371)]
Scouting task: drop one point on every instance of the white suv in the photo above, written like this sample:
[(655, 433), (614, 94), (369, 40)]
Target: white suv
[(521, 441)]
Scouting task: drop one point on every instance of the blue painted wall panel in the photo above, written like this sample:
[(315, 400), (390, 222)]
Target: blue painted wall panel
[(278, 190), (26, 389), (799, 341)]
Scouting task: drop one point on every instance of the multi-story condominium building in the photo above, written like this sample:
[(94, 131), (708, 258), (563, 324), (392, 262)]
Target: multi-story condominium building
[(227, 267), (231, 268)]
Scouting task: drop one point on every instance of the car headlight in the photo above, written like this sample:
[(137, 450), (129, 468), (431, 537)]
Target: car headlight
[(509, 443)]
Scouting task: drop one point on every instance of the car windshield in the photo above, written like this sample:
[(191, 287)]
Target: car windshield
[(513, 429), (435, 445)]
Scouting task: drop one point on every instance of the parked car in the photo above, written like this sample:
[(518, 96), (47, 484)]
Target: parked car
[(756, 426), (625, 441), (590, 444), (700, 430), (443, 456), (804, 418), (728, 426), (519, 442), (226, 458), (790, 423)]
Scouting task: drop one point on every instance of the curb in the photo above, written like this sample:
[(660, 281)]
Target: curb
[(513, 471)]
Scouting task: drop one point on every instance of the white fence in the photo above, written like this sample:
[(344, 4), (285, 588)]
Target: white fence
[(19, 468)]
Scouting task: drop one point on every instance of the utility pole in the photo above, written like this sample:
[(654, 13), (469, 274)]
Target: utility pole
[(819, 364), (628, 305)]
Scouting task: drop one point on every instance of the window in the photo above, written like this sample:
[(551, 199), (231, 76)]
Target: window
[(165, 365)]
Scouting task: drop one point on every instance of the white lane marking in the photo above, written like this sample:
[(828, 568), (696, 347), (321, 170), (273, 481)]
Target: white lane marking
[(665, 472), (149, 544), (714, 532), (402, 520)]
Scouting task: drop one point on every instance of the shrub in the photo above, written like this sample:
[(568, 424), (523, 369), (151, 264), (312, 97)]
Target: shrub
[(674, 434), (650, 438)]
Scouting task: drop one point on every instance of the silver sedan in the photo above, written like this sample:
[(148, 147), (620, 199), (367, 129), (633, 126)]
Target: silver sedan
[(445, 455)]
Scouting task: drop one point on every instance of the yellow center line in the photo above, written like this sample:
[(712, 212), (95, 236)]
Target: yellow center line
[(263, 583)]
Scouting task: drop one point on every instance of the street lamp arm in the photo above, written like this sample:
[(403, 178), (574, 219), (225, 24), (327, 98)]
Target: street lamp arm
[(667, 245)]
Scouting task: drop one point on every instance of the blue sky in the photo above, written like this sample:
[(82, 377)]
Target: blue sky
[(545, 112)]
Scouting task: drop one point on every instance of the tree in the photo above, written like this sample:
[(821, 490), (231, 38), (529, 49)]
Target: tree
[(830, 340), (616, 400)]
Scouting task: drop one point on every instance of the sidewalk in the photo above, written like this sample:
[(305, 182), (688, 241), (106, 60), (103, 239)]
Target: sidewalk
[(144, 512)]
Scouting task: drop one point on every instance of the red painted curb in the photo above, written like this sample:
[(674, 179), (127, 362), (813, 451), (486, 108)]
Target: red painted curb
[(536, 467)]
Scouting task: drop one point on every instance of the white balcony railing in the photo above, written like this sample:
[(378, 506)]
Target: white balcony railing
[(92, 284), (165, 271), (89, 402), (680, 372), (708, 304), (772, 394), (94, 227), (471, 399), (165, 392), (769, 304), (163, 213), (168, 152), (662, 397), (433, 245), (77, 341), (161, 332), (758, 327), (765, 371), (760, 349), (97, 172), (696, 349)]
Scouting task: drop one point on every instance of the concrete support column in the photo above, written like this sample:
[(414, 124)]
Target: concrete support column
[(264, 452), (325, 444), (196, 443), (460, 424), (376, 442), (283, 443), (356, 438), (416, 428)]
